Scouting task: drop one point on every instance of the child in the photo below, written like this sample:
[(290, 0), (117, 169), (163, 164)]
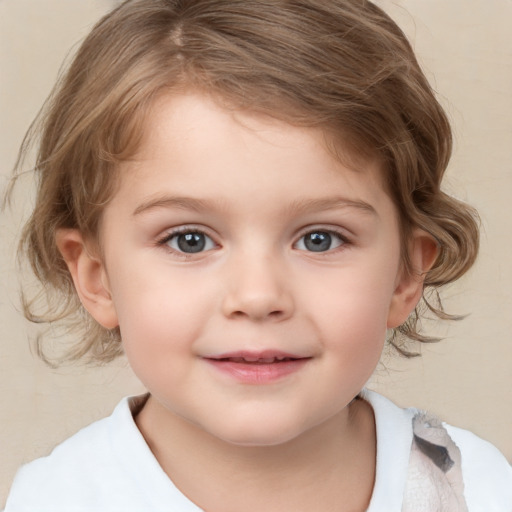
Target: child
[(245, 197)]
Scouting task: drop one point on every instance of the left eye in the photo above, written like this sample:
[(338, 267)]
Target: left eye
[(190, 242), (320, 241)]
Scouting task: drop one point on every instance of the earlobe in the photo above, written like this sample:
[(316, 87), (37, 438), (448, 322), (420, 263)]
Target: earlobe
[(89, 277), (423, 251)]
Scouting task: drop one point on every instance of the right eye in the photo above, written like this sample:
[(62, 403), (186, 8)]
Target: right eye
[(189, 242)]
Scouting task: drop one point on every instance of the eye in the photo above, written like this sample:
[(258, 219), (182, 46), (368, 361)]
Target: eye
[(320, 241), (189, 242)]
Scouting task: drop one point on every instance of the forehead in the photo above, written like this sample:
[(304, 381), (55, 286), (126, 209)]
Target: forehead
[(191, 144)]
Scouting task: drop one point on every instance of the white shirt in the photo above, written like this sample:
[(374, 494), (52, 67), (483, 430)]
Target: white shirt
[(108, 467)]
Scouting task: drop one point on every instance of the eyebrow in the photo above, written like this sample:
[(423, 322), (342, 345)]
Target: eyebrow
[(298, 206), (329, 203), (183, 203)]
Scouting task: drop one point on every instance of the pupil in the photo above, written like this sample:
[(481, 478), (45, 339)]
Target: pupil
[(318, 241), (191, 242)]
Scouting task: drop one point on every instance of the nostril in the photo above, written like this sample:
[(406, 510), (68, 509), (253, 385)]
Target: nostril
[(257, 303), (276, 314)]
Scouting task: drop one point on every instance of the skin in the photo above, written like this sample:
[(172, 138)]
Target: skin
[(259, 190)]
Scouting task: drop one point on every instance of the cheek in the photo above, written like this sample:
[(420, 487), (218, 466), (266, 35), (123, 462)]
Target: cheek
[(357, 300), (351, 311), (159, 316), (158, 338)]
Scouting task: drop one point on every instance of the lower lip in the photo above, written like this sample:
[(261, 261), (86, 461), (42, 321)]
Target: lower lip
[(248, 373)]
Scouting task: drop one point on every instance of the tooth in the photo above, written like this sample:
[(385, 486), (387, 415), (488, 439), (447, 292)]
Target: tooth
[(258, 360)]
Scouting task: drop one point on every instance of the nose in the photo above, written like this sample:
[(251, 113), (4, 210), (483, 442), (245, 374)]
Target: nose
[(257, 289)]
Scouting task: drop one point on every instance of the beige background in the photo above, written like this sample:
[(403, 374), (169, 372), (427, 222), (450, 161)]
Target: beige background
[(465, 47)]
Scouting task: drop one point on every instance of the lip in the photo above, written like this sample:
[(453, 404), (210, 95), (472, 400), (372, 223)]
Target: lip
[(262, 367)]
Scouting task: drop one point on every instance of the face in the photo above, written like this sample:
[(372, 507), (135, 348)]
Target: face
[(252, 276)]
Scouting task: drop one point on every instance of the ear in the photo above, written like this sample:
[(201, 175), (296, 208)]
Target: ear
[(423, 252), (89, 277)]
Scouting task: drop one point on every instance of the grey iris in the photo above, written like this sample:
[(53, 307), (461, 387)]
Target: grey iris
[(191, 242), (318, 241)]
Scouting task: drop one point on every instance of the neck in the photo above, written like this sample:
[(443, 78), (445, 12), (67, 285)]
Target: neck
[(330, 467)]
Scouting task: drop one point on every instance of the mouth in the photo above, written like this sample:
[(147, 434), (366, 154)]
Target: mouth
[(257, 357), (258, 367), (259, 360)]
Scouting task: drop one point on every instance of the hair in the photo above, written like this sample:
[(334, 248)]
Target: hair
[(343, 66)]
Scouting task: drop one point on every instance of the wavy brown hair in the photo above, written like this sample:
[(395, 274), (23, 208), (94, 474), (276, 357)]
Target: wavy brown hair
[(342, 65)]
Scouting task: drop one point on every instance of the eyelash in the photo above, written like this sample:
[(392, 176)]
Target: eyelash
[(341, 236), (164, 241)]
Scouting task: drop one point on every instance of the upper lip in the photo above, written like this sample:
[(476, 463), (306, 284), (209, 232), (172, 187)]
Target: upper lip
[(265, 356)]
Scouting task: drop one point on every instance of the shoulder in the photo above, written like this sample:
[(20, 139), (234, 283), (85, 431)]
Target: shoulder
[(75, 470), (487, 474), (105, 466)]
